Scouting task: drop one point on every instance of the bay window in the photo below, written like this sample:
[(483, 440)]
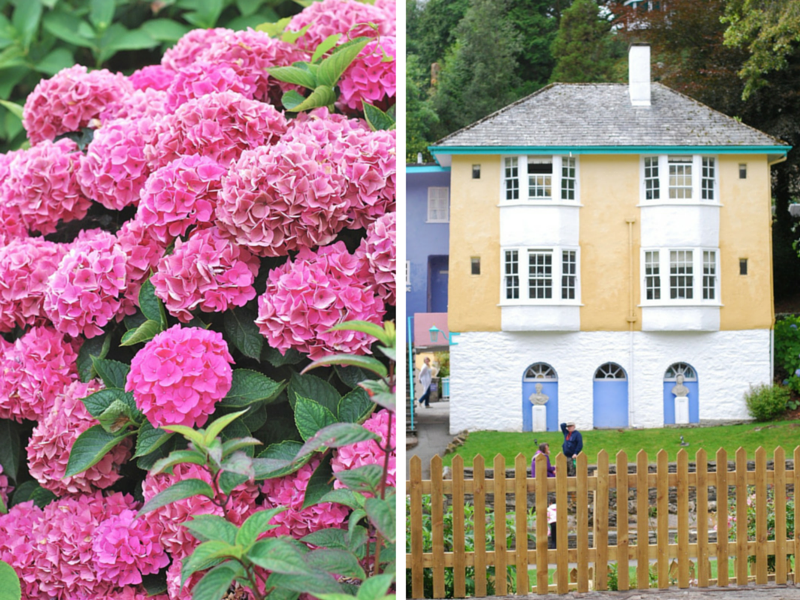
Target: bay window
[(679, 179), (549, 178), (552, 276), (692, 276)]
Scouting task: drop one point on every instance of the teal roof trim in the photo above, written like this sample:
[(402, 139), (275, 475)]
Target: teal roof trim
[(608, 149), (427, 169)]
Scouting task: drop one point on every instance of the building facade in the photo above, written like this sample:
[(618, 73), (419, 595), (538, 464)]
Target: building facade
[(610, 242)]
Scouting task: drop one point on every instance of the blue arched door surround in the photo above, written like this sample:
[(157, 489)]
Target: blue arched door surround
[(546, 375), (690, 381), (610, 396)]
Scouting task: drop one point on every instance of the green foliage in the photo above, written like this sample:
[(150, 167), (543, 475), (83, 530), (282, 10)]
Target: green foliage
[(787, 350), (766, 402), (583, 48), (420, 116), (10, 588)]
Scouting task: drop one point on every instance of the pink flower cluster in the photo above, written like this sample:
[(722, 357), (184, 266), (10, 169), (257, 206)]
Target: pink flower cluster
[(371, 78), (179, 376), (297, 521), (369, 452), (143, 251), (308, 296), (350, 19), (380, 251), (127, 548)]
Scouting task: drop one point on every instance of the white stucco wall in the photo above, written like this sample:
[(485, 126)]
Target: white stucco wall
[(685, 225), (487, 368), (539, 224), (541, 318)]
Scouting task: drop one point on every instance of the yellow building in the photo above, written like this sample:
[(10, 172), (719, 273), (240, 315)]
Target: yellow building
[(610, 259)]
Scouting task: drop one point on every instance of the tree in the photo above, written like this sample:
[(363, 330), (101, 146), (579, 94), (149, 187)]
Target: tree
[(436, 28), (420, 116), (583, 48), (536, 25)]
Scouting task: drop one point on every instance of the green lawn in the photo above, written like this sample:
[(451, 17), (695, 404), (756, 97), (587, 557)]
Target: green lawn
[(730, 437)]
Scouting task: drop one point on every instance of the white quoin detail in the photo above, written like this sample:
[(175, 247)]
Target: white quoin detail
[(639, 74)]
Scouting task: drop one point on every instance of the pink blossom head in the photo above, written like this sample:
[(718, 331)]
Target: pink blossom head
[(52, 440), (43, 185), (389, 8), (143, 251), (348, 17), (190, 46), (220, 125), (283, 197), (380, 251), (324, 127), (369, 452), (179, 376), (308, 296), (126, 548), (297, 521), (26, 264), (369, 79), (11, 225), (114, 170), (202, 78), (152, 77), (208, 272), (70, 99), (85, 292), (19, 547), (174, 589), (149, 103), (371, 166), (35, 370), (179, 195)]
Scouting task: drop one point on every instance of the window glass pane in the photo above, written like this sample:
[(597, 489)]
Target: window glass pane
[(511, 177), (651, 185), (540, 186), (680, 178), (709, 275), (512, 274), (707, 182), (439, 204), (540, 274), (567, 178), (569, 271), (475, 265), (681, 277), (652, 276), (476, 171)]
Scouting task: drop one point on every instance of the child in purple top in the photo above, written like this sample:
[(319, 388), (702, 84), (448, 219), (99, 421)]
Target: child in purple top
[(543, 449)]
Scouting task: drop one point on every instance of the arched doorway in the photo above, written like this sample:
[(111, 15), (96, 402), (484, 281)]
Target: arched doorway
[(690, 382), (610, 396), (545, 375)]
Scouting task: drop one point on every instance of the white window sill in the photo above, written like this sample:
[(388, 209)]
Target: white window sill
[(536, 303), (571, 203), (646, 203), (440, 222), (680, 304)]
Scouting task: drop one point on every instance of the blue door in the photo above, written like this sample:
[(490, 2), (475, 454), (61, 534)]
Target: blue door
[(437, 283), (610, 397), (690, 382), (545, 375)]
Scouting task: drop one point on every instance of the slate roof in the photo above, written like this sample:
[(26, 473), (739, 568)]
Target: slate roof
[(601, 114)]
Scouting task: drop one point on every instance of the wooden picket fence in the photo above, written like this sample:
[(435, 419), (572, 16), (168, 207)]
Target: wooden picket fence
[(593, 560)]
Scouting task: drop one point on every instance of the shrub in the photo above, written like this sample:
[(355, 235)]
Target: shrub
[(766, 402), (787, 351)]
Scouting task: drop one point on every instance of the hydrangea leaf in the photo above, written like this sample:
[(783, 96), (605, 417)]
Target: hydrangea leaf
[(357, 539), (150, 439), (155, 584), (292, 36), (214, 584), (14, 109), (322, 95), (190, 434), (151, 306), (390, 353), (206, 528), (255, 525), (241, 330), (249, 387), (327, 538), (235, 444), (382, 514), (274, 29), (313, 583), (164, 30), (310, 416), (362, 479), (380, 393), (332, 68), (365, 362), (355, 406), (345, 497), (375, 588), (319, 390), (294, 75), (116, 417), (90, 447), (146, 461), (276, 359), (376, 331), (42, 497), (97, 347), (101, 12), (9, 582), (113, 373), (178, 491), (3, 507), (336, 560), (279, 556), (325, 45), (255, 417), (216, 427), (65, 26), (207, 555), (377, 119), (239, 463), (335, 436), (351, 376), (144, 333), (10, 448), (177, 457), (278, 460), (96, 404), (320, 483)]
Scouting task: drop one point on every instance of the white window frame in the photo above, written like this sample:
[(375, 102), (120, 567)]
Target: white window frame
[(431, 201), (408, 275), (698, 280), (557, 275), (523, 180), (522, 175), (663, 161)]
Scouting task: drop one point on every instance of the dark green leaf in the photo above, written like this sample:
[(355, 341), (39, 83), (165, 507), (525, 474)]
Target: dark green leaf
[(249, 387), (42, 497), (292, 99), (281, 456), (279, 556), (255, 525), (365, 362), (150, 304), (248, 7), (310, 417), (357, 538), (155, 584), (345, 497), (135, 320), (375, 587), (178, 491), (318, 390), (116, 417), (332, 68), (240, 329), (90, 447), (382, 515), (214, 584), (256, 416), (362, 479), (150, 439), (66, 26), (55, 61), (377, 119), (177, 457), (165, 30), (240, 464), (325, 45), (293, 75), (146, 461), (10, 587), (26, 20), (206, 14), (23, 492), (96, 347), (96, 404), (113, 373), (320, 483), (276, 359), (336, 436), (355, 406), (206, 528), (312, 583), (350, 376), (10, 448), (146, 332), (230, 481), (327, 538), (205, 556), (339, 561), (354, 519)]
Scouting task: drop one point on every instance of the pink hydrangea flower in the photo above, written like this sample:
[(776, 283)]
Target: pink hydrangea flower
[(52, 439), (369, 78), (70, 99), (357, 455), (297, 521), (174, 589), (42, 184), (208, 272), (168, 519), (324, 127), (134, 593), (179, 376), (389, 8), (284, 197), (114, 170), (143, 251), (19, 547), (127, 548), (150, 103), (25, 266), (85, 292), (220, 125), (201, 78), (371, 167), (11, 225), (35, 369), (64, 561), (307, 296), (190, 46), (348, 17), (380, 250), (5, 488), (155, 77), (179, 195)]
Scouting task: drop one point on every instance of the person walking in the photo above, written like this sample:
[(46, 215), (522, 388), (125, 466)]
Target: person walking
[(544, 449), (425, 380), (573, 444)]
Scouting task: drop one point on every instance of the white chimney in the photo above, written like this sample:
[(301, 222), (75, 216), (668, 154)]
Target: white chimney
[(639, 74)]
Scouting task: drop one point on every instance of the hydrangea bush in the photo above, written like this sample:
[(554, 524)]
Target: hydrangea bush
[(179, 247)]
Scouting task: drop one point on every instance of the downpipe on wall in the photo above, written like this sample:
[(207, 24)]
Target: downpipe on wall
[(631, 320)]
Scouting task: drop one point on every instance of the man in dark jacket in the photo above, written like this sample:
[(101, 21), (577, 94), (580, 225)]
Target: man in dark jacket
[(573, 444)]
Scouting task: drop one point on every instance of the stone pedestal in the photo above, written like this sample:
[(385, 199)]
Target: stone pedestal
[(539, 418), (682, 410)]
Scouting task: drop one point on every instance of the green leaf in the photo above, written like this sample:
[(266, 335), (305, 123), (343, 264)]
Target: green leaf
[(206, 556), (144, 333), (178, 457), (23, 492), (319, 390), (282, 456), (42, 497), (216, 427), (239, 463), (165, 30), (248, 7), (248, 387), (382, 515), (357, 538), (313, 583), (390, 353), (151, 306), (116, 417), (325, 45), (10, 588), (327, 538), (336, 436), (365, 362), (279, 556), (113, 373), (13, 108), (377, 119), (292, 99), (101, 13), (290, 37), (276, 29), (322, 95), (255, 525), (375, 587), (96, 404), (146, 461), (293, 75), (10, 448), (362, 479), (97, 347), (66, 26), (55, 61), (332, 68), (206, 528), (320, 483), (380, 393), (3, 507), (150, 439), (345, 497), (240, 328), (235, 444), (355, 407), (206, 14), (350, 376), (214, 584), (370, 329), (339, 561), (190, 434), (310, 417), (256, 417), (276, 359), (178, 491), (155, 584), (90, 447), (25, 20)]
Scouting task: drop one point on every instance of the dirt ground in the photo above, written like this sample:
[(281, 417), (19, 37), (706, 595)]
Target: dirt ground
[(766, 592)]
